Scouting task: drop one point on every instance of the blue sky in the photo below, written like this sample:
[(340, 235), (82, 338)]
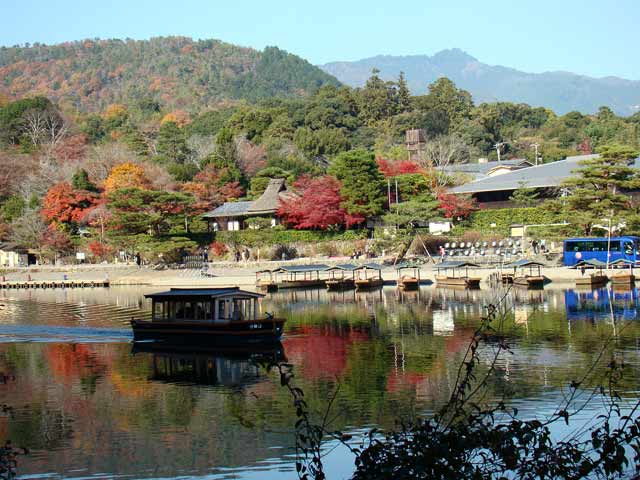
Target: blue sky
[(592, 37)]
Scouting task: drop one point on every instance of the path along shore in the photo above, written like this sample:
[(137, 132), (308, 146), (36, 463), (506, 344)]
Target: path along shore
[(221, 273)]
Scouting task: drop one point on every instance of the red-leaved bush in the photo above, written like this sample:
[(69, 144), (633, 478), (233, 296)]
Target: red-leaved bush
[(456, 206), (317, 205), (390, 168)]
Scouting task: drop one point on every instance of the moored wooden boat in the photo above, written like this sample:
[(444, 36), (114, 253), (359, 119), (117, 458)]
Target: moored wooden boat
[(264, 283), (597, 279), (525, 274), (408, 282), (452, 277), (623, 277), (212, 316), (341, 277), (365, 281), (300, 276)]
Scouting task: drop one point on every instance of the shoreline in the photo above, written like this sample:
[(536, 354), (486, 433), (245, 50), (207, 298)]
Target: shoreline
[(225, 274)]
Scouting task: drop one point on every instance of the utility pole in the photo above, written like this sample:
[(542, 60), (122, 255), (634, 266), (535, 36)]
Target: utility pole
[(536, 145), (498, 147)]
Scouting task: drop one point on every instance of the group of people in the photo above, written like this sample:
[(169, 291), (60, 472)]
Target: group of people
[(243, 254), (538, 246)]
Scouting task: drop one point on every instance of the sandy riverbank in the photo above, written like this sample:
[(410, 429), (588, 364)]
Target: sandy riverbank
[(221, 274)]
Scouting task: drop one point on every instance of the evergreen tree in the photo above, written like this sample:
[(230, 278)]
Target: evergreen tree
[(597, 191), (422, 208), (523, 196), (377, 100), (362, 182), (172, 144), (80, 181), (404, 96)]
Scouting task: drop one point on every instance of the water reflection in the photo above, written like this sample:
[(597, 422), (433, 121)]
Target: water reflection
[(218, 366), (88, 407)]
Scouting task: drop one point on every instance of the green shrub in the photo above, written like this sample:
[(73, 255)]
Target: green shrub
[(481, 220), (256, 238)]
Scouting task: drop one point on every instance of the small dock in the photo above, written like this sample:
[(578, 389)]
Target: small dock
[(42, 284)]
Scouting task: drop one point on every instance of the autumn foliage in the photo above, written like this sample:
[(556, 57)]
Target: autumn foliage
[(456, 206), (318, 205), (394, 168), (64, 205), (211, 189), (126, 175), (179, 117)]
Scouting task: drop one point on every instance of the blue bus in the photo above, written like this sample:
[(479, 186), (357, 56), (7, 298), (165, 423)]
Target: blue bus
[(577, 249)]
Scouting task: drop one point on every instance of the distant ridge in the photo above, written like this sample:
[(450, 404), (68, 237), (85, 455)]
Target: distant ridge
[(175, 72), (560, 91)]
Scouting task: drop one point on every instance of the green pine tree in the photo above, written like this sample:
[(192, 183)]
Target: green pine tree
[(362, 182), (598, 189), (404, 96)]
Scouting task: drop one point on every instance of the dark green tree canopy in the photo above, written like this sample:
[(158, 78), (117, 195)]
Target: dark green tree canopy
[(362, 182)]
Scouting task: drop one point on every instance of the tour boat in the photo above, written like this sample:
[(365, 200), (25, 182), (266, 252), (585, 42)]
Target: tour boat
[(342, 281), (408, 282), (597, 279), (522, 278), (453, 280), (364, 281), (219, 316)]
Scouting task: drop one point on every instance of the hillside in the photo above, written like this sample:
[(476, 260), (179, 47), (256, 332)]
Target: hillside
[(176, 72), (560, 91)]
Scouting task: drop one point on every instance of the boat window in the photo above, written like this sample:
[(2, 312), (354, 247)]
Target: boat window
[(157, 310), (207, 311), (189, 310), (179, 306), (628, 248), (222, 309)]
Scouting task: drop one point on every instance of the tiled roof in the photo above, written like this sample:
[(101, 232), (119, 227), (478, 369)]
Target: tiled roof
[(229, 209), (481, 170), (540, 176)]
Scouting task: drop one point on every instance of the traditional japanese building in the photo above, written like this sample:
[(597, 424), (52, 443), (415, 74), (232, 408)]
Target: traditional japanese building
[(234, 215)]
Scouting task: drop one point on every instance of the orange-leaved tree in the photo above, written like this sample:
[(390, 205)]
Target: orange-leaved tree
[(63, 205), (126, 175)]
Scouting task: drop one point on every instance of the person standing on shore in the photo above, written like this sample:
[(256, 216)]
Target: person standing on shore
[(138, 260)]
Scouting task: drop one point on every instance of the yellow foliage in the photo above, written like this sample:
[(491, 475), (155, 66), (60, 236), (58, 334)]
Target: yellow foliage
[(115, 110), (179, 117), (126, 175)]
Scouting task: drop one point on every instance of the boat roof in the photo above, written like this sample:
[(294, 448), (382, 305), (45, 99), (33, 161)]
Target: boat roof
[(370, 266), (350, 267), (622, 261), (302, 268), (524, 262), (460, 264), (404, 265), (179, 293), (594, 262)]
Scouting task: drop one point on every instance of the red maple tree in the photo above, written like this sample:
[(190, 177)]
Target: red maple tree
[(63, 204), (211, 190), (391, 168), (317, 206), (456, 206)]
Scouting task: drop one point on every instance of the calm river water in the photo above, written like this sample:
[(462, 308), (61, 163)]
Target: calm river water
[(89, 405)]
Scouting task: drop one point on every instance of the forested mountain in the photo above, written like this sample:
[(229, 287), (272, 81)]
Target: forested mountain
[(174, 72), (561, 91)]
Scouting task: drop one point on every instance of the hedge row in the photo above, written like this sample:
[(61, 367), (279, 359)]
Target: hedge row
[(251, 238), (482, 220)]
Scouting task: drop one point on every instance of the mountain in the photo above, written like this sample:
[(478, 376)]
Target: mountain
[(560, 91), (175, 72)]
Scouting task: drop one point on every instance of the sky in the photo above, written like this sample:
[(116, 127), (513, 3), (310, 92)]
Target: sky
[(590, 37)]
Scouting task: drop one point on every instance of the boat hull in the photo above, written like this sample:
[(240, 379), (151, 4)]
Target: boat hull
[(336, 285), (529, 282), (267, 286), (592, 281), (210, 333), (409, 283), (301, 284), (464, 282), (623, 279), (369, 283)]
